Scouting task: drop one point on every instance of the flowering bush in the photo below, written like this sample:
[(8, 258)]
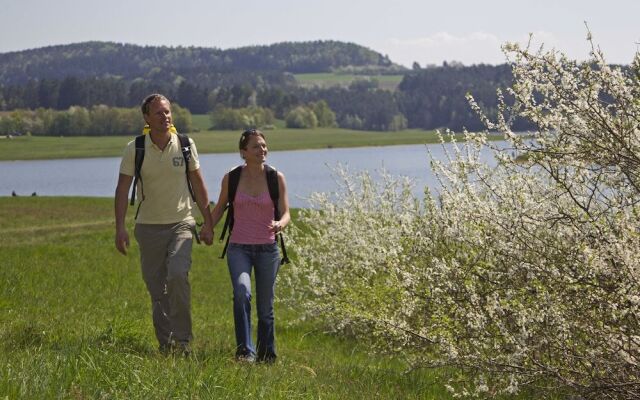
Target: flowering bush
[(523, 274)]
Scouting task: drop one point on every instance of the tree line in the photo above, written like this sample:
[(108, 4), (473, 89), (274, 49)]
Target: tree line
[(427, 98), (195, 64), (205, 80), (98, 120)]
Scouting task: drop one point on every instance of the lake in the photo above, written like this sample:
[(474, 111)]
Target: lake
[(306, 171)]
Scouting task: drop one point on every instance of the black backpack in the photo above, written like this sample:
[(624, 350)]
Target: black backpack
[(274, 193), (185, 146)]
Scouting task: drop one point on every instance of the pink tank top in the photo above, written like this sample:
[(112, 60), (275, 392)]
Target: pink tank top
[(251, 219)]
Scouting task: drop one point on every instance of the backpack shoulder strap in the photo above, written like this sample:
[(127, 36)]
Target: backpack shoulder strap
[(274, 193), (234, 180), (272, 183), (232, 188), (185, 147), (137, 176)]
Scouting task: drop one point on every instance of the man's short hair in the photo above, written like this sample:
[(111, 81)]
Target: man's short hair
[(150, 99)]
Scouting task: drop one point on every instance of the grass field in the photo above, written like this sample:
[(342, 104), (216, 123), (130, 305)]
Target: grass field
[(38, 147), (75, 324), (327, 79), (201, 122)]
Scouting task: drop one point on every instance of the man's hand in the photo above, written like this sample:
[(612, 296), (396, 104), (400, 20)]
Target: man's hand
[(206, 234), (122, 241)]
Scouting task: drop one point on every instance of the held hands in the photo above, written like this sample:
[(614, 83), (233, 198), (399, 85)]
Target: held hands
[(122, 241), (206, 234)]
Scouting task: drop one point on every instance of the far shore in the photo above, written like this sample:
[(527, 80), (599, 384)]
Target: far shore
[(46, 147)]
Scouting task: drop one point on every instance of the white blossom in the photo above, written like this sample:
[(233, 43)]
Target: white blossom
[(521, 274)]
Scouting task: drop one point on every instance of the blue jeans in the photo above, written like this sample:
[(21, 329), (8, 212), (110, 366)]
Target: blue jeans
[(265, 258)]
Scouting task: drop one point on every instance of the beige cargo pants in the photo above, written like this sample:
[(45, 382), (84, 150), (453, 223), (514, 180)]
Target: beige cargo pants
[(165, 253)]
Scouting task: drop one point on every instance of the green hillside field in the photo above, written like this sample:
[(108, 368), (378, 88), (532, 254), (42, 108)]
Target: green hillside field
[(328, 79)]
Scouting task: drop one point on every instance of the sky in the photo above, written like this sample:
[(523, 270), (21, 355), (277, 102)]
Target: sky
[(408, 31)]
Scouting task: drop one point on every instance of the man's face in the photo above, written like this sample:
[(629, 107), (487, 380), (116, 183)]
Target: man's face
[(159, 116)]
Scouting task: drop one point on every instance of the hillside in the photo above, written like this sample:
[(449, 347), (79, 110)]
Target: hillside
[(128, 61), (362, 88)]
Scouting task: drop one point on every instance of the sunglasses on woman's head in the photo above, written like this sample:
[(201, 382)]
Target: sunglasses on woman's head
[(249, 132)]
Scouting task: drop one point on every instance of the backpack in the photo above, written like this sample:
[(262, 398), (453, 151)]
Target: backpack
[(185, 146), (274, 193)]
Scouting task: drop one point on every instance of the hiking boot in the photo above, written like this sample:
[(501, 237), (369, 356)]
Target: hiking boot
[(246, 358), (175, 349), (268, 359), (182, 349), (165, 349)]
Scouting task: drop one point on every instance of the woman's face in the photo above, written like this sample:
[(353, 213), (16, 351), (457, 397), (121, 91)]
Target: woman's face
[(256, 150)]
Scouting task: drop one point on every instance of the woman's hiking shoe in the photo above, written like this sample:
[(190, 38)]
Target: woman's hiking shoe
[(268, 359), (246, 358)]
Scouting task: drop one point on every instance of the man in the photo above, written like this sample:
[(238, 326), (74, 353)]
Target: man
[(164, 222)]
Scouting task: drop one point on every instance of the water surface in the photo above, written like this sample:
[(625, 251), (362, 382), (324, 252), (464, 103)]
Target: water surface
[(306, 171)]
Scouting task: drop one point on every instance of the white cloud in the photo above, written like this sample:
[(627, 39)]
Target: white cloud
[(539, 38), (441, 39), (472, 48)]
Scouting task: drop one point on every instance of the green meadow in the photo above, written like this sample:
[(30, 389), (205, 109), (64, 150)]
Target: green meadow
[(45, 147), (75, 324), (201, 122), (328, 79)]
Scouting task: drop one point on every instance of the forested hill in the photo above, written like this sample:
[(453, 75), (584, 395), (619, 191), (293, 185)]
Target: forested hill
[(247, 86), (100, 59)]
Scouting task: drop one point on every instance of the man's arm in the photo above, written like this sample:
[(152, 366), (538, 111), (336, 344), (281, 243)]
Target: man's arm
[(121, 200), (202, 200)]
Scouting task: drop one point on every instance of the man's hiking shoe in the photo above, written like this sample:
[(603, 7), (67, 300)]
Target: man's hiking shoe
[(165, 349), (175, 349), (182, 349)]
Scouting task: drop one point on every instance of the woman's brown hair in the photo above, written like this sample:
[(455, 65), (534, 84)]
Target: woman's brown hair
[(246, 135)]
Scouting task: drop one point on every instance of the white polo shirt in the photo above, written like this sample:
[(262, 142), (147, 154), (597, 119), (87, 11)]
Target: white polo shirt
[(166, 194)]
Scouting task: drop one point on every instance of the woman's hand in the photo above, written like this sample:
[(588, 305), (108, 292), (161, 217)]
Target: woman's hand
[(275, 226), (206, 234)]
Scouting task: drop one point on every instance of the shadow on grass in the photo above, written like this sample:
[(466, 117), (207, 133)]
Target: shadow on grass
[(115, 337), (122, 336), (23, 335)]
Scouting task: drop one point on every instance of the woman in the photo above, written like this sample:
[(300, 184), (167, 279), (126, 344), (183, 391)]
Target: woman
[(252, 244)]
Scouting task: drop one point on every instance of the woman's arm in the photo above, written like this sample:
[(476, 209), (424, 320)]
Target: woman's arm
[(202, 201), (223, 198)]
